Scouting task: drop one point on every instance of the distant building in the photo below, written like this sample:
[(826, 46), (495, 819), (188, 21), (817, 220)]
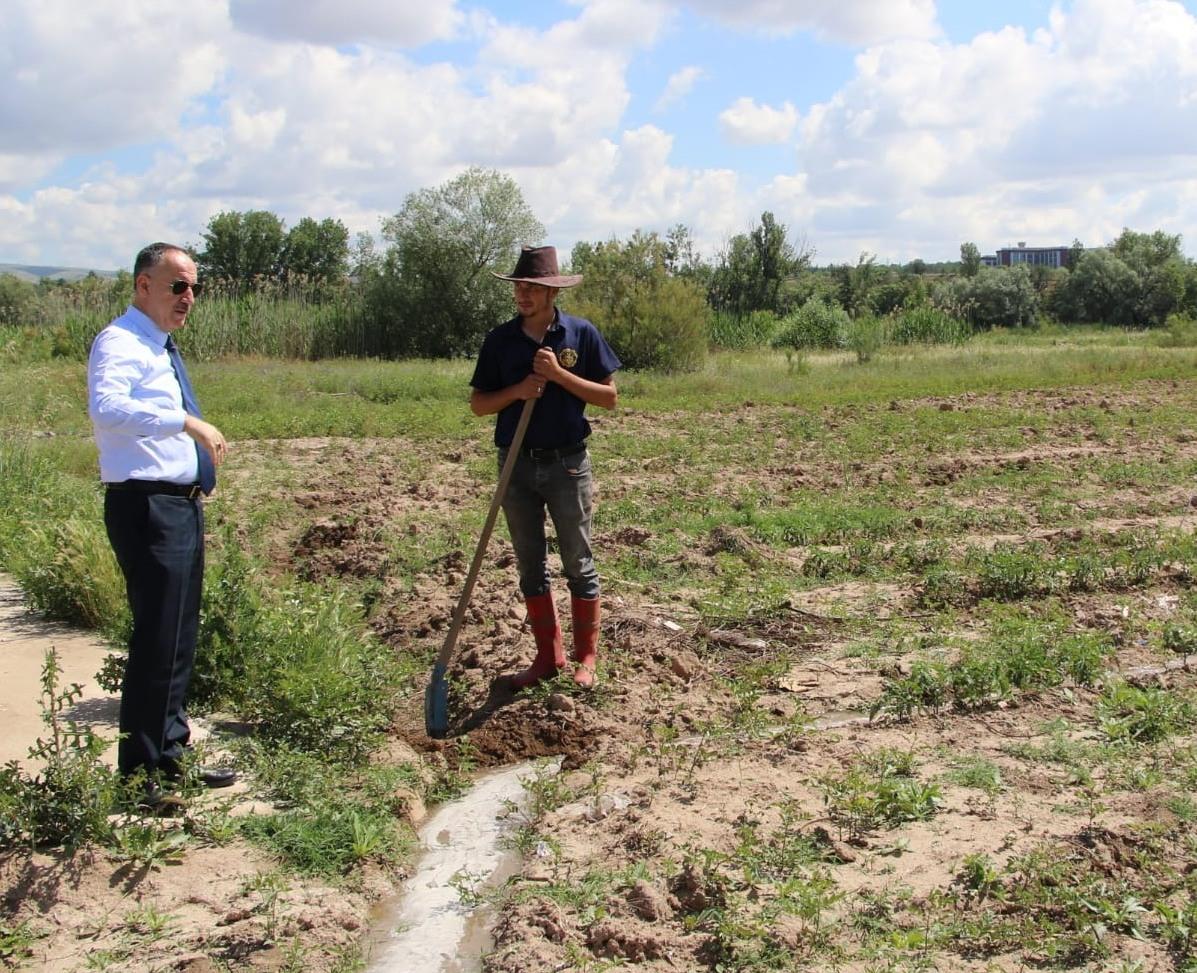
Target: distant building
[(989, 260), (1031, 256)]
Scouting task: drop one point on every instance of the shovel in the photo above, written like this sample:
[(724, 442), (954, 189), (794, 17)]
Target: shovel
[(436, 696)]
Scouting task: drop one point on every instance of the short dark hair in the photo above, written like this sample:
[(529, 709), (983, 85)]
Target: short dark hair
[(151, 256)]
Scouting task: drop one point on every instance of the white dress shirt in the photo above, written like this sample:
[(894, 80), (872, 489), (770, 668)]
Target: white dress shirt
[(136, 405)]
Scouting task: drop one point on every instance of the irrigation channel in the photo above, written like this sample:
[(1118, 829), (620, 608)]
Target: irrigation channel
[(427, 928)]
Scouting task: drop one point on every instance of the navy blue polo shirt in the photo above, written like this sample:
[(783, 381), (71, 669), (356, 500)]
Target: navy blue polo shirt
[(559, 417)]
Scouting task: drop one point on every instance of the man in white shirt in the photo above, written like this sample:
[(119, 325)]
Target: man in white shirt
[(157, 460)]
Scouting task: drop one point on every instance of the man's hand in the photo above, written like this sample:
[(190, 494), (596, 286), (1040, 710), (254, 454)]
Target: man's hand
[(546, 366), (208, 436), (531, 387)]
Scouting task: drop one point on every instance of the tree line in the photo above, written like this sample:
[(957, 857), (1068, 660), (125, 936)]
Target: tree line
[(425, 289)]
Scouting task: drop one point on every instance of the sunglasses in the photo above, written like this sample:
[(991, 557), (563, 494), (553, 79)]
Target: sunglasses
[(178, 286)]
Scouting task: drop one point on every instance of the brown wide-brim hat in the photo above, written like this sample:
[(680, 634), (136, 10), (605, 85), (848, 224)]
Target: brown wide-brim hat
[(538, 265)]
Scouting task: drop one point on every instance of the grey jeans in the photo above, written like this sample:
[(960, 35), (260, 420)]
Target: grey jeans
[(562, 486)]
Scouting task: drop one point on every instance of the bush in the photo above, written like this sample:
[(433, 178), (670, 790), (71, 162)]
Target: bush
[(52, 541), (75, 577), (1181, 333), (928, 325), (1010, 574), (737, 331), (297, 662), (814, 325), (994, 298), (68, 800), (866, 336), (656, 322)]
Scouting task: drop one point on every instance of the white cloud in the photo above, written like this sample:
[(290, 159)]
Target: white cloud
[(306, 129), (90, 77), (1013, 136), (21, 169), (748, 123), (348, 21), (680, 84), (614, 188), (1076, 129), (858, 22), (100, 225)]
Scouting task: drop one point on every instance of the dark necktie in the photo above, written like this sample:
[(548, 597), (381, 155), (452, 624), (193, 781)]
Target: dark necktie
[(207, 469)]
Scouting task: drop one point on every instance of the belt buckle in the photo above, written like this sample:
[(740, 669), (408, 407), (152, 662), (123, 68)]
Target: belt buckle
[(195, 492)]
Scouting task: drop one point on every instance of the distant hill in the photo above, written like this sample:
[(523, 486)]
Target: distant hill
[(33, 274)]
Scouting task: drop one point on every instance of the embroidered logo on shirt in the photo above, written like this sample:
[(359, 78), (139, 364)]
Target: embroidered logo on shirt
[(568, 357)]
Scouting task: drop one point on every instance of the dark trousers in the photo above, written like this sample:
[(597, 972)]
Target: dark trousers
[(159, 543)]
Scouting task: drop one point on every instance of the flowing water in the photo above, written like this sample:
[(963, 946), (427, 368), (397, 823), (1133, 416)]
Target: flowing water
[(427, 928)]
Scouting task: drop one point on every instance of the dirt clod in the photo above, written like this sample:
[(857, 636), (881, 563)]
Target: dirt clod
[(649, 902)]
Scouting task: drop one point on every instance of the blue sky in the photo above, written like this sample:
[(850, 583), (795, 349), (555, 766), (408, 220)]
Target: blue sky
[(898, 128)]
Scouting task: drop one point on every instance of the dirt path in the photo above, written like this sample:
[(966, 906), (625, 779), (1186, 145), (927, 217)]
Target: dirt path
[(25, 638)]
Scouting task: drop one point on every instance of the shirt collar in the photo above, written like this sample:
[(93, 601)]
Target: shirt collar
[(144, 325), (517, 326)]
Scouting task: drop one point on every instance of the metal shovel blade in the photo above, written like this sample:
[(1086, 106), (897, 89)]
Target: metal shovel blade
[(436, 704)]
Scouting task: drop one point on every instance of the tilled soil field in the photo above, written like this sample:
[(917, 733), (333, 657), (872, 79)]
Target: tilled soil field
[(793, 759)]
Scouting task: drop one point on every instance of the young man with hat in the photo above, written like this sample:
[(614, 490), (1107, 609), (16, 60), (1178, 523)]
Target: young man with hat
[(565, 364)]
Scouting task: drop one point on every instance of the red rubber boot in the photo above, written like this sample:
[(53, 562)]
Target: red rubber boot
[(586, 633), (550, 655)]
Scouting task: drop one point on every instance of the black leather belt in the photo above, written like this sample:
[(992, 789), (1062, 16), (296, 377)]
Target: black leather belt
[(552, 452), (191, 491)]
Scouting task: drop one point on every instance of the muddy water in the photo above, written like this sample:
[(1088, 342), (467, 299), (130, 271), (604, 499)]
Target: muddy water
[(427, 929)]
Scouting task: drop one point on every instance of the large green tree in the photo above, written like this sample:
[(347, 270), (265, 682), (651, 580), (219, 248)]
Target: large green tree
[(753, 269), (854, 285), (316, 252), (682, 258), (243, 248), (1137, 281), (970, 259), (434, 292)]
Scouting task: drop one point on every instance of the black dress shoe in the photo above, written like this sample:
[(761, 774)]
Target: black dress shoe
[(208, 776), (155, 800), (217, 776)]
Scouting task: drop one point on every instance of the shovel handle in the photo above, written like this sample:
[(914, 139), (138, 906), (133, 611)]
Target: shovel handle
[(500, 491)]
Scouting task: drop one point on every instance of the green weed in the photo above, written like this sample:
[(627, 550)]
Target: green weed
[(1020, 654), (740, 331), (148, 923), (1128, 713), (16, 942), (326, 840), (925, 324), (978, 773), (865, 337), (879, 791), (67, 800), (297, 661), (1011, 574), (334, 817), (146, 846), (52, 540), (977, 877), (1178, 927), (1181, 640)]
